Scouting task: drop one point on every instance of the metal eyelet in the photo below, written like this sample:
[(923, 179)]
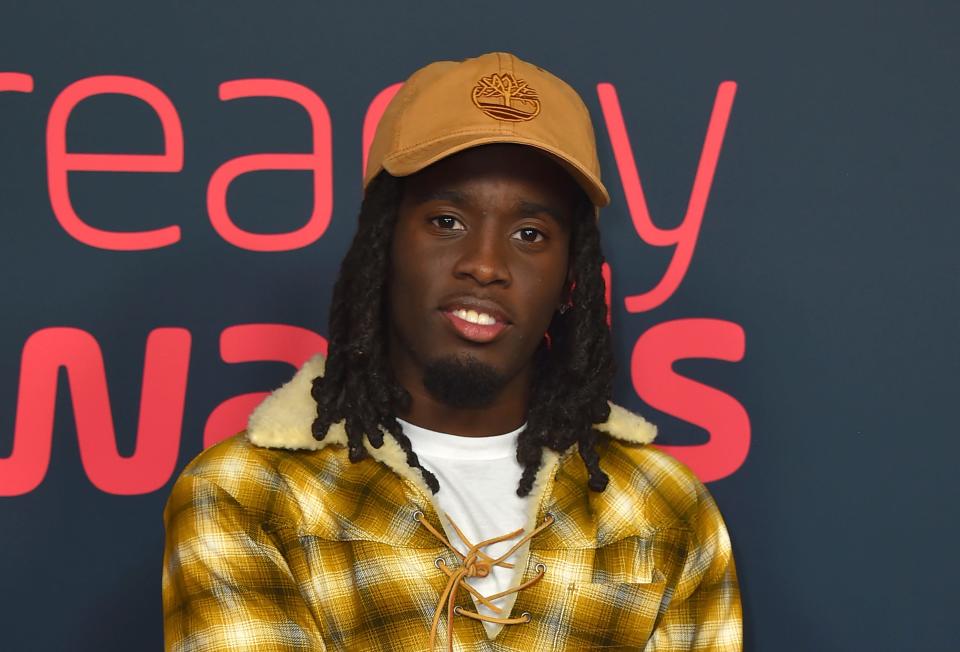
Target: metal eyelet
[(526, 614), (417, 515), (540, 568), (438, 561), (456, 610)]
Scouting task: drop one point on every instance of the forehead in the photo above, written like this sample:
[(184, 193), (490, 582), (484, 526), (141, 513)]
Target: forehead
[(518, 172)]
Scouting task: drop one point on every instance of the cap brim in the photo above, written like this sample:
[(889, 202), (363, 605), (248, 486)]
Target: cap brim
[(413, 160)]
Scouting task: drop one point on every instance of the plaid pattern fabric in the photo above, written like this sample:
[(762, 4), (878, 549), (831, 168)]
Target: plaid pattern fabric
[(271, 549)]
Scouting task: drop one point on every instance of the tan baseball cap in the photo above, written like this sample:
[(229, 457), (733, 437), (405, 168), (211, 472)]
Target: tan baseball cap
[(449, 106)]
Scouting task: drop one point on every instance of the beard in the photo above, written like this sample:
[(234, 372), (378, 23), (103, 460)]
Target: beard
[(463, 382)]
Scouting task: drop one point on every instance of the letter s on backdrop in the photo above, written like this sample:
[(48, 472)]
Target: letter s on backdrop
[(651, 369)]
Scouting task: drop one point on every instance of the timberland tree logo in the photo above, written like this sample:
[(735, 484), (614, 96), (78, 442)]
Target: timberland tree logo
[(505, 98)]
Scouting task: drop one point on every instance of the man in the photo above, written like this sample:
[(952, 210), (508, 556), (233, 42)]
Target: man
[(454, 474)]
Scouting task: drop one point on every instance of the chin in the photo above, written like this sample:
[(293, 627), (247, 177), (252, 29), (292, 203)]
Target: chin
[(462, 380)]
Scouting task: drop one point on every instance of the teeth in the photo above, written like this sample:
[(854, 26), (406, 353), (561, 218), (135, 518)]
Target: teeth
[(475, 317)]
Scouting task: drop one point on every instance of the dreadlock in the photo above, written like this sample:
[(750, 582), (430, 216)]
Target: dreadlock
[(574, 365)]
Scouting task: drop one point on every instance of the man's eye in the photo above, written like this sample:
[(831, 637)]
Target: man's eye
[(528, 235), (448, 222)]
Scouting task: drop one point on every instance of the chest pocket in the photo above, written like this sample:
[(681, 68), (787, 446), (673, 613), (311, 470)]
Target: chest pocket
[(618, 607), (612, 615)]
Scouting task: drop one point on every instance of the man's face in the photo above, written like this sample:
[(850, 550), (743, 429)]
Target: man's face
[(479, 265)]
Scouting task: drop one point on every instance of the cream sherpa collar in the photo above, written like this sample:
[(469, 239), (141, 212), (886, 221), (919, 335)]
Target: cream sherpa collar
[(284, 418)]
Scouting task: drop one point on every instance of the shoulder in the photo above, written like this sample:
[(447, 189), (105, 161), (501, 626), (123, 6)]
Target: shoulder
[(267, 484), (662, 490), (235, 463), (666, 492)]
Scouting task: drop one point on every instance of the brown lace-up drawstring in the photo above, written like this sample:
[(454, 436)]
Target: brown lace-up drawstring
[(476, 563)]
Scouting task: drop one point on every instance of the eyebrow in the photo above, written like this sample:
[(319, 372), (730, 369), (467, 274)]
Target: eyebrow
[(532, 208), (455, 196)]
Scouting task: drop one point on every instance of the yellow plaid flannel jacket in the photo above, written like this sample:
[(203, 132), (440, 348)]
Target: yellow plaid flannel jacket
[(276, 541)]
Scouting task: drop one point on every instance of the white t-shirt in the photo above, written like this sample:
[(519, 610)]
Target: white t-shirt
[(478, 479)]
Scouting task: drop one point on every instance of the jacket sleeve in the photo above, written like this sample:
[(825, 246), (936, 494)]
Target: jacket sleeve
[(226, 585), (703, 612)]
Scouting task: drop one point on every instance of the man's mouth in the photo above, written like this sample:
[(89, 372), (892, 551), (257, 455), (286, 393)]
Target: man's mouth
[(475, 326)]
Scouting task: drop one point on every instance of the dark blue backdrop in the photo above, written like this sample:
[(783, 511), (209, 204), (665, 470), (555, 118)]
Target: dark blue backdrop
[(830, 236)]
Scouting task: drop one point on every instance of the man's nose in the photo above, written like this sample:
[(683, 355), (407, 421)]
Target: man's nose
[(484, 258)]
